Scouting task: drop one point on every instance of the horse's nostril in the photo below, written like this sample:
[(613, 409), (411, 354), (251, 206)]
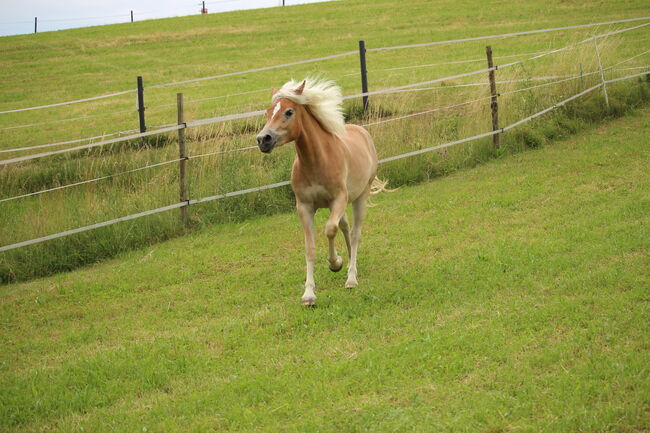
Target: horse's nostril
[(267, 138)]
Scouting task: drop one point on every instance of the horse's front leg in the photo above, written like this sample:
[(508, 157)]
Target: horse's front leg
[(306, 214), (337, 217)]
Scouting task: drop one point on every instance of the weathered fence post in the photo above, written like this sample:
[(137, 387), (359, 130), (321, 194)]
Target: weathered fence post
[(143, 127), (183, 158), (131, 16), (35, 24), (602, 76), (364, 74), (494, 104)]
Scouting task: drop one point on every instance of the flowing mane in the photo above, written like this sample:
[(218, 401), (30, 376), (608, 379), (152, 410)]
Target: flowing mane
[(322, 97)]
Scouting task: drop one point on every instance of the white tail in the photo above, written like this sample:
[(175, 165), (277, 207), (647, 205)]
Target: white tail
[(379, 186)]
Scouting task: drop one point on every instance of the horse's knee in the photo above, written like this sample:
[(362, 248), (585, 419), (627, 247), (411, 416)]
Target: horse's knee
[(330, 229)]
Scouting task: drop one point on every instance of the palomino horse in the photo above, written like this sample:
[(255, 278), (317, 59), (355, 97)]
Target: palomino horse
[(335, 165)]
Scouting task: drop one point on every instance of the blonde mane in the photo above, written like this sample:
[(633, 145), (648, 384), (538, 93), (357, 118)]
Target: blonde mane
[(322, 97)]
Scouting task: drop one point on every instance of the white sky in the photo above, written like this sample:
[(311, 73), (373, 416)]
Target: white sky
[(18, 15)]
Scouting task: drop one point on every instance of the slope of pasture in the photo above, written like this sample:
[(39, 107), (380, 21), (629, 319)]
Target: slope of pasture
[(509, 297), (110, 182), (59, 66)]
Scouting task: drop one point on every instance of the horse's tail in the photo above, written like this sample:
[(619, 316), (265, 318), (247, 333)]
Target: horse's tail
[(379, 186)]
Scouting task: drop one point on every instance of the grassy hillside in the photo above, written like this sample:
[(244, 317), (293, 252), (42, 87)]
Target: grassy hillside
[(58, 66), (509, 297), (66, 65)]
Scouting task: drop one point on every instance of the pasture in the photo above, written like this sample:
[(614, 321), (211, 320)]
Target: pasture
[(58, 66), (507, 297)]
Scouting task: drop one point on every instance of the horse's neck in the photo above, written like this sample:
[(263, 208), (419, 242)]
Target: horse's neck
[(313, 142)]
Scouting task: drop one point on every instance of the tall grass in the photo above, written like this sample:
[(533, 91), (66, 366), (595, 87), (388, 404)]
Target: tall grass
[(229, 171)]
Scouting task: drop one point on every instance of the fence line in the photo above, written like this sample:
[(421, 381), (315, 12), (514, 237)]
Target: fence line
[(210, 120), (455, 62), (376, 92), (573, 77), (407, 87), (284, 183), (344, 54), (220, 152)]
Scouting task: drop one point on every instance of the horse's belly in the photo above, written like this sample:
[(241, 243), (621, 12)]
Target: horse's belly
[(316, 194)]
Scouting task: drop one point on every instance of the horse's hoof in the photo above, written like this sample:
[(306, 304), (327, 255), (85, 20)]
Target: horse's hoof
[(309, 301), (351, 284), (338, 265)]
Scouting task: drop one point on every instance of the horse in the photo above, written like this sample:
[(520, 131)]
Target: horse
[(335, 165)]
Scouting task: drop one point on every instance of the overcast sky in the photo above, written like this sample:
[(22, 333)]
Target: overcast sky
[(18, 15)]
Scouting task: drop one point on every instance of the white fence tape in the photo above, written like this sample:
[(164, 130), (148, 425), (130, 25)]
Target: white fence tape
[(284, 183)]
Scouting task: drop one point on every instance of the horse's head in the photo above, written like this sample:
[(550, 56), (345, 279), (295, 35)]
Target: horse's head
[(281, 125)]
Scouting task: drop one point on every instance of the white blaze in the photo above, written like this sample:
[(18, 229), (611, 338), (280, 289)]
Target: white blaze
[(275, 110)]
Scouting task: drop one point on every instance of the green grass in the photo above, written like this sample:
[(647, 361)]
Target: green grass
[(58, 66), (508, 297), (66, 65)]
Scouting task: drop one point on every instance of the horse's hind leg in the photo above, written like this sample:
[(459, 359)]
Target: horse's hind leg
[(344, 225), (337, 212), (359, 207)]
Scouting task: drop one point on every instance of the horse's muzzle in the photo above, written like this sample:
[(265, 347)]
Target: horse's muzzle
[(266, 141)]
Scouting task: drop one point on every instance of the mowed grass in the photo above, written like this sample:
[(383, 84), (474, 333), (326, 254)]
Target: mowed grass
[(509, 297)]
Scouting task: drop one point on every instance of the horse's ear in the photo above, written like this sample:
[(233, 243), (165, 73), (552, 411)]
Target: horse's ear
[(274, 90), (301, 88)]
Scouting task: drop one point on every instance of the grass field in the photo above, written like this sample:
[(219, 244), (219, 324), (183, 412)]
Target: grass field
[(66, 65), (509, 297), (59, 66)]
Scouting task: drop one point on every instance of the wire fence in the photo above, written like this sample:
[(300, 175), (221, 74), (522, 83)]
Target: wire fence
[(285, 183), (345, 54), (230, 117), (537, 55)]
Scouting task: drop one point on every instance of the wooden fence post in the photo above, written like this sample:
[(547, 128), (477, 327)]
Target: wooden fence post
[(131, 16), (494, 104), (183, 159), (35, 24), (364, 75), (143, 127), (602, 76)]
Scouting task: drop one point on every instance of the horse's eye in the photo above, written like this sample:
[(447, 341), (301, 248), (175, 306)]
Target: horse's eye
[(288, 113)]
